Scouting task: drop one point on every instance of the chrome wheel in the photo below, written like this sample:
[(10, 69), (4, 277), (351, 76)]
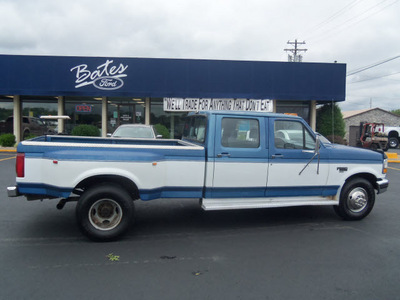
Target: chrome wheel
[(105, 214), (357, 200), (393, 142)]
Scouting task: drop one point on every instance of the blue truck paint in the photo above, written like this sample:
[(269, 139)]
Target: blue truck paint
[(228, 159)]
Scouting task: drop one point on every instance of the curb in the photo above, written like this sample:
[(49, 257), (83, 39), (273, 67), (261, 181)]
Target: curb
[(393, 157), (8, 150)]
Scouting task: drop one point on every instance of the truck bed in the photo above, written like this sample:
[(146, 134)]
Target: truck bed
[(62, 139)]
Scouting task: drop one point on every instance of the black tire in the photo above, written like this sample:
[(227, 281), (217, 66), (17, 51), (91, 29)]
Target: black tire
[(356, 200), (393, 142), (104, 212)]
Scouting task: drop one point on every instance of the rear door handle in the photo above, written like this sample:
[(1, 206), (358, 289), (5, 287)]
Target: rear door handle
[(277, 156), (223, 154)]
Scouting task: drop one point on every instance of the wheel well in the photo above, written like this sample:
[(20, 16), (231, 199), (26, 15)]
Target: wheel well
[(123, 182), (393, 134), (371, 178)]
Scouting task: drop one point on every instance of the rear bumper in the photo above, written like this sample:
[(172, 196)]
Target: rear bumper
[(382, 184), (12, 191)]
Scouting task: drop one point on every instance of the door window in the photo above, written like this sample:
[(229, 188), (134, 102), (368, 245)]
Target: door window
[(292, 135), (240, 133)]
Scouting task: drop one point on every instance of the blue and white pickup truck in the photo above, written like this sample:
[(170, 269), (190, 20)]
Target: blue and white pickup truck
[(228, 160)]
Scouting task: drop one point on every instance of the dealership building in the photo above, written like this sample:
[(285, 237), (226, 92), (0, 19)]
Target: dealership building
[(110, 91)]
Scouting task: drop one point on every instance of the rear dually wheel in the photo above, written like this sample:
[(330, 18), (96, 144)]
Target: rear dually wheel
[(104, 212)]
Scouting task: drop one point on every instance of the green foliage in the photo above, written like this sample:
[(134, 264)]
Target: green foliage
[(5, 113), (161, 129), (7, 140), (30, 136), (396, 111), (325, 115), (85, 130), (113, 257), (38, 111)]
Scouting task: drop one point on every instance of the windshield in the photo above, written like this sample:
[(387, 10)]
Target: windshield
[(140, 132)]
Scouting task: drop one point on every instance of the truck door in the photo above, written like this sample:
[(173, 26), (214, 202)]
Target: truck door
[(292, 146), (240, 158)]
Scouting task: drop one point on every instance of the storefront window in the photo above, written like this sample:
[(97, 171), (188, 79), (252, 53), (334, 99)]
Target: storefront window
[(6, 109), (301, 109), (36, 107), (82, 110), (125, 111), (173, 122)]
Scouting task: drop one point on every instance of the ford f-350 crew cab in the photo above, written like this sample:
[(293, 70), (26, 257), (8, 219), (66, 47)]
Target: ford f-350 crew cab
[(228, 160)]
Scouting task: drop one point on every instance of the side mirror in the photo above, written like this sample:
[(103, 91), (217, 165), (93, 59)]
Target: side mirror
[(317, 144), (159, 136), (108, 134)]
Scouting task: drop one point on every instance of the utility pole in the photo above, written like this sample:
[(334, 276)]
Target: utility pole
[(295, 57)]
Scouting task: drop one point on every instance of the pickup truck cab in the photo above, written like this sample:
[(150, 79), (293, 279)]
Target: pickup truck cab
[(228, 160), (29, 126)]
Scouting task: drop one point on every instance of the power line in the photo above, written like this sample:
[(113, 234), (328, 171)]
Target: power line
[(373, 78), (334, 16), (362, 69), (351, 21)]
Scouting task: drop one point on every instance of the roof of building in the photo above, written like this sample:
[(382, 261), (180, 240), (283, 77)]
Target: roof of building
[(348, 114), (352, 113)]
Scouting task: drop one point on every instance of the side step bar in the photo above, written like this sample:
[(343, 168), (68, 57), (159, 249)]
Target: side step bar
[(246, 203)]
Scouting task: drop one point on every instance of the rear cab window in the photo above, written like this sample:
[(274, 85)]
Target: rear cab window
[(195, 129)]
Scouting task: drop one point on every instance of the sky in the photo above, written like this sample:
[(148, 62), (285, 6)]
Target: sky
[(363, 34)]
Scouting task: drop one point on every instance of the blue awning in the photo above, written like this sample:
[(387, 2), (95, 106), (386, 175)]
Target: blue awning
[(154, 77)]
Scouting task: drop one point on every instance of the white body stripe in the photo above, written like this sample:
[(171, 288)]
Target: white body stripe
[(145, 175)]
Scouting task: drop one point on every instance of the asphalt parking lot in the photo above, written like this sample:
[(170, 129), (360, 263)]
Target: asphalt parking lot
[(177, 251)]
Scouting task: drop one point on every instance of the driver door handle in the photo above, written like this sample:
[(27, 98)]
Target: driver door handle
[(223, 154)]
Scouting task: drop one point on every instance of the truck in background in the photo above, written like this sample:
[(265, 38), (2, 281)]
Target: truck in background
[(30, 126), (393, 134)]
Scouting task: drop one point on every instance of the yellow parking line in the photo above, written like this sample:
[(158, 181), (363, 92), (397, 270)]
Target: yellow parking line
[(394, 168), (7, 158)]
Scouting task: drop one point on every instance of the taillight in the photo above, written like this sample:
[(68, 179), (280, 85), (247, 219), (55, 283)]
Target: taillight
[(20, 165)]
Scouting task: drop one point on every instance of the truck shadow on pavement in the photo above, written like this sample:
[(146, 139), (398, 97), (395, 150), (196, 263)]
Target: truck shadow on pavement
[(174, 217), (185, 216)]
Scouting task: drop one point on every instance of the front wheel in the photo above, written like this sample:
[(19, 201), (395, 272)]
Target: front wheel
[(356, 199), (104, 212), (393, 142)]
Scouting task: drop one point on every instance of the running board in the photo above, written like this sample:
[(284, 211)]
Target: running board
[(245, 203)]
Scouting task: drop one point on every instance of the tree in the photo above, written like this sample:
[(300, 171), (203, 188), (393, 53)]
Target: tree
[(396, 111), (326, 115)]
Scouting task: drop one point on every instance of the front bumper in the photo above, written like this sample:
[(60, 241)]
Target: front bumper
[(12, 191), (382, 185)]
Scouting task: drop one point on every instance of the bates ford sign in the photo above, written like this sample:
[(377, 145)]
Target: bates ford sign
[(107, 76)]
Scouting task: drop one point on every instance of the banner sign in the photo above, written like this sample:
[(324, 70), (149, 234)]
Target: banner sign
[(200, 104)]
